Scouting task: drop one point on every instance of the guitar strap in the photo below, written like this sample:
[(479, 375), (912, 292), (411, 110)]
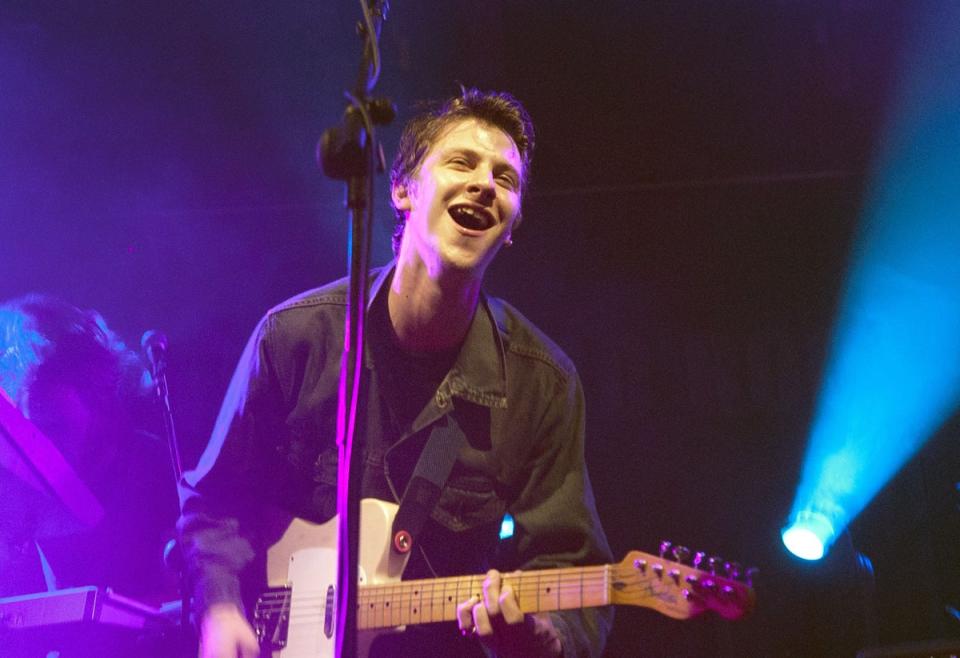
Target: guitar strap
[(430, 474)]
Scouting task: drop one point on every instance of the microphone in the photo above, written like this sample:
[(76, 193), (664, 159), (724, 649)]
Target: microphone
[(154, 346)]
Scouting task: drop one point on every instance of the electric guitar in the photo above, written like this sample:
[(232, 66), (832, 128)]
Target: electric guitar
[(294, 617)]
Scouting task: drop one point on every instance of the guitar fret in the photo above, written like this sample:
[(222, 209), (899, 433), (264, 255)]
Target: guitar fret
[(424, 601)]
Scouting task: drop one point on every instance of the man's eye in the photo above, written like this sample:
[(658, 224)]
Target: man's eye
[(460, 161), (507, 180)]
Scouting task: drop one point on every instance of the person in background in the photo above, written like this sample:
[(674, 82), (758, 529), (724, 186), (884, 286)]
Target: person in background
[(78, 383)]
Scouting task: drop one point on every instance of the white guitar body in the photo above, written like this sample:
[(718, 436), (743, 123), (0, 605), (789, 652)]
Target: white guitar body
[(305, 560)]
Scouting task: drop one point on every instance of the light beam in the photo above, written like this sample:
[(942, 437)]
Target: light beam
[(893, 371)]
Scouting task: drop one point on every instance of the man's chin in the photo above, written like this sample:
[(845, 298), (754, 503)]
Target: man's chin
[(466, 261)]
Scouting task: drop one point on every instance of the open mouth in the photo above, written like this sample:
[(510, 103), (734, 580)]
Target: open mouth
[(475, 219)]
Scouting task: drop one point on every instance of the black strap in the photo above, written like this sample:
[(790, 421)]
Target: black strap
[(431, 473)]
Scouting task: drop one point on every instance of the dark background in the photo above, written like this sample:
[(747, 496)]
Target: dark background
[(700, 173)]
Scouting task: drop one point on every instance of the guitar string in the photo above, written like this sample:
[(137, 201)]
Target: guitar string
[(428, 600), (380, 615), (398, 616), (430, 595), (427, 608), (568, 581), (413, 588)]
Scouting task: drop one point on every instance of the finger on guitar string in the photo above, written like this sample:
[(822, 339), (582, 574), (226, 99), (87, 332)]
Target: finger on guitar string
[(491, 593), (509, 605), (482, 625), (500, 600), (465, 615)]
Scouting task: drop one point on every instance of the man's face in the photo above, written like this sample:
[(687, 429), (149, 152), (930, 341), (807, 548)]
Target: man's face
[(463, 200)]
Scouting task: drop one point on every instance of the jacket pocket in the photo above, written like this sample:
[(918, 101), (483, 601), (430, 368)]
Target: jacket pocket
[(469, 501)]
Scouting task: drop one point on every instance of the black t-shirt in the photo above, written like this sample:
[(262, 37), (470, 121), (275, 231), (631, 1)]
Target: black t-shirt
[(411, 378)]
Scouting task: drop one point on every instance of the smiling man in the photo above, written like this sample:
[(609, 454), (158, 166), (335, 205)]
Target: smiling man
[(439, 353)]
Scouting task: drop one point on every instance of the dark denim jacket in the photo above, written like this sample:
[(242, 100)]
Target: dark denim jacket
[(515, 394)]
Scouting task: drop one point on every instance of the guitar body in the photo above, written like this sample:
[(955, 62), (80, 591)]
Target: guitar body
[(304, 560)]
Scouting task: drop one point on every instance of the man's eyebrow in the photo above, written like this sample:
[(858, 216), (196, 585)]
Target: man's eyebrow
[(460, 150)]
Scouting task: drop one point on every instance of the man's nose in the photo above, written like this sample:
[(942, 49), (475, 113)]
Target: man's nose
[(483, 184)]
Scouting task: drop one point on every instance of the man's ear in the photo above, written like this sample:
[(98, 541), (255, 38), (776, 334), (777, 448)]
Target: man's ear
[(400, 196)]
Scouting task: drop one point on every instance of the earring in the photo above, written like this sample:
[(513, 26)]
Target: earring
[(509, 241)]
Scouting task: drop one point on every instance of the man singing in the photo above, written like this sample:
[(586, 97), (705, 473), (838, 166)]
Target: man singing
[(438, 350)]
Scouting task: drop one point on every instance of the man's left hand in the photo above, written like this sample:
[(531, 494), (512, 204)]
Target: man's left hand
[(496, 619)]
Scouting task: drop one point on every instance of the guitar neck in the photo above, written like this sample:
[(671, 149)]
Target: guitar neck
[(432, 600)]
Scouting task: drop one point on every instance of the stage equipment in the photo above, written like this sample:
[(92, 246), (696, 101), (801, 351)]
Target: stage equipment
[(154, 345), (349, 152), (83, 621), (27, 453), (809, 535)]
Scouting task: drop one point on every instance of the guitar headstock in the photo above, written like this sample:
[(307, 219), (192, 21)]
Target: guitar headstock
[(680, 590)]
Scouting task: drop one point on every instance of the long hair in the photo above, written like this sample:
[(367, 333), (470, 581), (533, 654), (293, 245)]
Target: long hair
[(45, 341)]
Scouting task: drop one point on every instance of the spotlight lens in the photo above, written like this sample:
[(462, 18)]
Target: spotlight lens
[(803, 543)]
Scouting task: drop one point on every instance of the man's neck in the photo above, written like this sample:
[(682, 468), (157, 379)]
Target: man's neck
[(431, 311)]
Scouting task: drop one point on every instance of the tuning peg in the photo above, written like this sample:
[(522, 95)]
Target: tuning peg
[(751, 575), (664, 547), (698, 559), (733, 570), (681, 553), (714, 563)]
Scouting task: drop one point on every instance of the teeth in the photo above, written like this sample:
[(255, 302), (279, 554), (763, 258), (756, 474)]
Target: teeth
[(467, 213)]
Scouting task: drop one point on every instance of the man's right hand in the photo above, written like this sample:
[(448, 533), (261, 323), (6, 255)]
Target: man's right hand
[(225, 633)]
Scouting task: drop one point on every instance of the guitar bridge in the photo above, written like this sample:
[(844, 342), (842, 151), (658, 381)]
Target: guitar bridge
[(271, 618)]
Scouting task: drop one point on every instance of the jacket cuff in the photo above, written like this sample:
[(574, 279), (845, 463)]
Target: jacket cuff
[(216, 586)]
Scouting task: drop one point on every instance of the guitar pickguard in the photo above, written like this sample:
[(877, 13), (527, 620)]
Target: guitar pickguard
[(297, 612)]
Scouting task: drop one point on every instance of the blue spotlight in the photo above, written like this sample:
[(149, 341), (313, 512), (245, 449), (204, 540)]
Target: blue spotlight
[(809, 536), (893, 374)]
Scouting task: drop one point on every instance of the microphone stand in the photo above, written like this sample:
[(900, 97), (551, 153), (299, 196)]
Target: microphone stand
[(154, 345), (347, 152)]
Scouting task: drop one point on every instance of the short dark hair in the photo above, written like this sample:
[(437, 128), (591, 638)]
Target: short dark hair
[(499, 109)]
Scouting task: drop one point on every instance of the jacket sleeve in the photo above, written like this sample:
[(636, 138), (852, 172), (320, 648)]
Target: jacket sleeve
[(556, 515), (218, 498)]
